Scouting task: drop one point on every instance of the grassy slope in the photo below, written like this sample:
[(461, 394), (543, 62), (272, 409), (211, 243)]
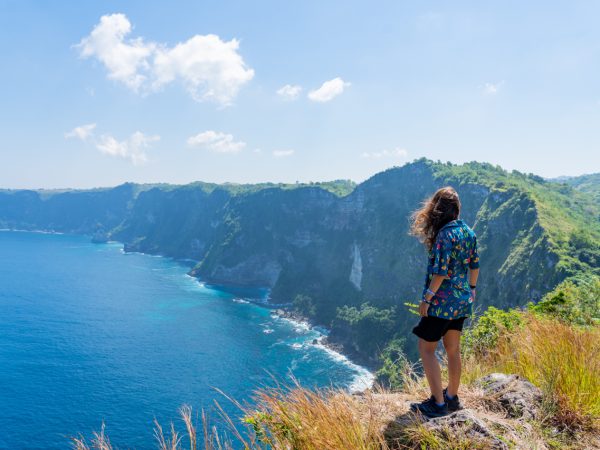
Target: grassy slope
[(589, 184), (570, 219)]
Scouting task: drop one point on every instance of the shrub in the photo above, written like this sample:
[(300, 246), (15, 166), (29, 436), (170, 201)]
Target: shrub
[(483, 335), (575, 301), (368, 326), (305, 305), (395, 365)]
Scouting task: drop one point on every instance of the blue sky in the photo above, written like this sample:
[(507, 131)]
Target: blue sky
[(97, 93)]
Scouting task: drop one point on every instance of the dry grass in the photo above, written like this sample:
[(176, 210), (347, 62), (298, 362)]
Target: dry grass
[(171, 440), (314, 420), (99, 442), (562, 360), (302, 419)]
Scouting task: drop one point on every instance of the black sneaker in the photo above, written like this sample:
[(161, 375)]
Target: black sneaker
[(453, 403), (429, 408)]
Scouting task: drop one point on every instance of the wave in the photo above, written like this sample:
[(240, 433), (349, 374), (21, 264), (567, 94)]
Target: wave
[(32, 231), (364, 378)]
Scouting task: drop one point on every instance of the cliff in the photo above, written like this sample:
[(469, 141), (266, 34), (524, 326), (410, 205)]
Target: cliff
[(334, 245)]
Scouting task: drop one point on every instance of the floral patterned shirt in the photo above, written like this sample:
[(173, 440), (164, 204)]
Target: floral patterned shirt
[(452, 254)]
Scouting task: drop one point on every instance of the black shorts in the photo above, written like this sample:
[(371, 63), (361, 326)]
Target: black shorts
[(432, 329)]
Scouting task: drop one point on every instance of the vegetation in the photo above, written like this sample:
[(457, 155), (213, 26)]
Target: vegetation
[(394, 365), (490, 327), (569, 218), (366, 320), (304, 305), (303, 240), (575, 301), (589, 184), (564, 361), (555, 344), (337, 187)]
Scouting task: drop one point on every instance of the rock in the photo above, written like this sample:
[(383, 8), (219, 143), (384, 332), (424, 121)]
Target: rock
[(100, 237), (518, 397), (466, 422)]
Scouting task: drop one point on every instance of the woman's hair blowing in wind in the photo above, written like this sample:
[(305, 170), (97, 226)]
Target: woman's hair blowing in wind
[(441, 208)]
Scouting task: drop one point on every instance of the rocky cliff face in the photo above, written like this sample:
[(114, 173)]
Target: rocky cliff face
[(308, 241), (85, 211), (336, 250)]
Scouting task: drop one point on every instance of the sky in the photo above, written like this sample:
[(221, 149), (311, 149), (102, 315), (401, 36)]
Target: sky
[(97, 93)]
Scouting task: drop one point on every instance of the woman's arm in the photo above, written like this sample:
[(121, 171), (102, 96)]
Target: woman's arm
[(473, 274), (434, 285)]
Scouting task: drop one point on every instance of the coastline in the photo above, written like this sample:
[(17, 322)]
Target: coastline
[(364, 378), (39, 231)]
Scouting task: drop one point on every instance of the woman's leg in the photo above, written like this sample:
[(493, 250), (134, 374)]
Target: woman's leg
[(432, 368), (452, 346)]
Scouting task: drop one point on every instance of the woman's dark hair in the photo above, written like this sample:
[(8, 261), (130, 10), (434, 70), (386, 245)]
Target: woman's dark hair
[(441, 208)]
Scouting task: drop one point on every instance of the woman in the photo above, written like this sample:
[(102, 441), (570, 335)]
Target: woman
[(447, 296)]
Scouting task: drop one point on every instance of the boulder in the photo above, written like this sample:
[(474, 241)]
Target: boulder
[(466, 422), (517, 396)]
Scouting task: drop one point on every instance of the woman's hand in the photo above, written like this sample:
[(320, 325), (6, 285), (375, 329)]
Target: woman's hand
[(423, 308), (473, 293)]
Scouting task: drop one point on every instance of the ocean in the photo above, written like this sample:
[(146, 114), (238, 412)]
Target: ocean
[(92, 335)]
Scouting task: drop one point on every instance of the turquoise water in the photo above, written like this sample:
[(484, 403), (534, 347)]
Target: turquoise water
[(89, 334)]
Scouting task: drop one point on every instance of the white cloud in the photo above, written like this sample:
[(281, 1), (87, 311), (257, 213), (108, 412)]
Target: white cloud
[(132, 148), (395, 153), (209, 68), (82, 132), (126, 61), (216, 142), (492, 88), (328, 90), (289, 91), (282, 153)]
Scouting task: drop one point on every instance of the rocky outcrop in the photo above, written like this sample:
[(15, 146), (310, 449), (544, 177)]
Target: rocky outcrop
[(518, 397), (498, 412), (467, 423)]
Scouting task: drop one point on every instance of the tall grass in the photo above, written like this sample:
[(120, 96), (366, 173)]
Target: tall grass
[(563, 360), (280, 418), (170, 440), (314, 420)]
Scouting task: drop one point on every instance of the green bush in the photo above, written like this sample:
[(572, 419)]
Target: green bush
[(305, 305), (483, 335), (394, 365), (574, 301), (368, 327)]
